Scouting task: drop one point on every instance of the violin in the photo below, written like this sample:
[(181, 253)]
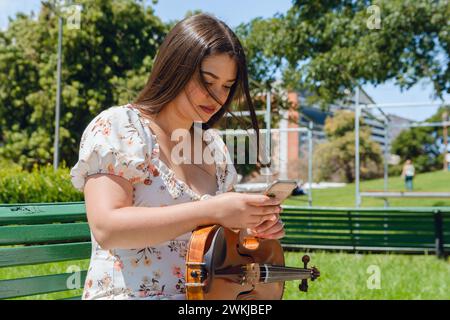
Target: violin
[(228, 264)]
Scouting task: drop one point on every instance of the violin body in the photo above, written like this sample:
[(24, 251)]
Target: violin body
[(226, 264)]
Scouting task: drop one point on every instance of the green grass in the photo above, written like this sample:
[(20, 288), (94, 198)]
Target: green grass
[(45, 269), (438, 181), (344, 276)]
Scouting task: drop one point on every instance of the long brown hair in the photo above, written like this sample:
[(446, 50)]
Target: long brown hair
[(179, 60)]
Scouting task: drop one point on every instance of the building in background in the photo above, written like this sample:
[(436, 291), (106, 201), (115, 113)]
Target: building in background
[(290, 149)]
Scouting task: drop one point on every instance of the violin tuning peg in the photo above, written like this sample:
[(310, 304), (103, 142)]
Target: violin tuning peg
[(305, 260), (303, 285), (315, 273)]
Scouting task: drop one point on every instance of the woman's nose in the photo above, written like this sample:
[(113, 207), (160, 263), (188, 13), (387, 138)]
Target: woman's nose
[(221, 95)]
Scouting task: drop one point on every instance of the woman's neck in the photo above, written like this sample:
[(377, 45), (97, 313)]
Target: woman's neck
[(170, 119)]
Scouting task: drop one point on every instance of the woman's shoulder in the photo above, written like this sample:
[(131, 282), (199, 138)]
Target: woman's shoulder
[(117, 122), (118, 114), (114, 142)]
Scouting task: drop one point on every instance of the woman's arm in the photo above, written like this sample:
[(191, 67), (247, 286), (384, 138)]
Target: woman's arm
[(116, 223)]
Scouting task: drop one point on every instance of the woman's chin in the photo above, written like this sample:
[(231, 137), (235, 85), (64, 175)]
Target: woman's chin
[(203, 118)]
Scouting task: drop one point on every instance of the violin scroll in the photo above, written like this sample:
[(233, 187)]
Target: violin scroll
[(315, 273)]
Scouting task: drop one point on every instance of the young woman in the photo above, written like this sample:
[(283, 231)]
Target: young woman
[(408, 173), (141, 203)]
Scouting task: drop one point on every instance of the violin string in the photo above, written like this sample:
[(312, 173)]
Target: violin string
[(285, 268), (284, 275), (285, 272), (282, 269), (281, 279)]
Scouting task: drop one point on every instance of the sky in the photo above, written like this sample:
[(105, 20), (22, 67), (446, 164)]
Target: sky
[(234, 12)]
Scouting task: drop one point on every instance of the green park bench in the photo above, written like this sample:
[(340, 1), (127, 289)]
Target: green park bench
[(32, 234), (41, 233), (415, 230)]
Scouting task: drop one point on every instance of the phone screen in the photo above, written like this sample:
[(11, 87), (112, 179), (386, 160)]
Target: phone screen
[(281, 189)]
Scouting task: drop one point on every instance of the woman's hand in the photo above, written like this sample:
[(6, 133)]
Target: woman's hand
[(242, 211), (269, 229)]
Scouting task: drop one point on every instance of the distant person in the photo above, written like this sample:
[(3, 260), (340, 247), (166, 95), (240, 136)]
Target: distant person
[(408, 173), (298, 190)]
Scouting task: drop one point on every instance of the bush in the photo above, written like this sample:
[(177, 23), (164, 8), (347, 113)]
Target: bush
[(335, 158), (395, 170), (42, 184)]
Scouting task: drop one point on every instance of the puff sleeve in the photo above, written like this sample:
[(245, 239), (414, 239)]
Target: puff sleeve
[(114, 142)]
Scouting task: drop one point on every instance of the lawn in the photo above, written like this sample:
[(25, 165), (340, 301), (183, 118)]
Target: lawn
[(345, 276), (438, 181)]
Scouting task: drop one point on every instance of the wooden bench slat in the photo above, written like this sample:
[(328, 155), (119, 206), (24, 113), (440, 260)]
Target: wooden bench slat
[(45, 233), (344, 215), (42, 213), (389, 229), (15, 288), (72, 298), (365, 210), (347, 242), (44, 254), (365, 236)]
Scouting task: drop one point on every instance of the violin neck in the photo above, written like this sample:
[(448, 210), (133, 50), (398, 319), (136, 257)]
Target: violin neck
[(271, 273), (255, 273)]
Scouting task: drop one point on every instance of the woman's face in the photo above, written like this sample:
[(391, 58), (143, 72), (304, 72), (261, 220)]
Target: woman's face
[(219, 72)]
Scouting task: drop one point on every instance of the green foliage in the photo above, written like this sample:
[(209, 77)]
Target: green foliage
[(395, 170), (105, 62), (42, 184), (325, 47), (336, 157), (423, 145)]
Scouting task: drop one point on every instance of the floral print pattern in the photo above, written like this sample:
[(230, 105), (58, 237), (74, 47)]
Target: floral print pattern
[(119, 141)]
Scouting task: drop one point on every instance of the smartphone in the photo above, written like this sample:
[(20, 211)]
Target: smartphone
[(280, 189)]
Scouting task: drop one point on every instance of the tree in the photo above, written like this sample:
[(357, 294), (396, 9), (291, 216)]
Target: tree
[(105, 63), (335, 159), (423, 145), (327, 47)]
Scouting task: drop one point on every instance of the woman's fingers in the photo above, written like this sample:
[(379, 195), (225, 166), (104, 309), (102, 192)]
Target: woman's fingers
[(279, 225), (277, 235), (275, 232), (261, 200), (264, 211), (258, 220), (266, 225)]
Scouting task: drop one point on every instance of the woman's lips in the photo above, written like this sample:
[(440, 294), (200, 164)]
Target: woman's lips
[(208, 110)]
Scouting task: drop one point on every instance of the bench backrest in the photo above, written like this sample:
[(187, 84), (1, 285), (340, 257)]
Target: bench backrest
[(377, 229), (32, 234)]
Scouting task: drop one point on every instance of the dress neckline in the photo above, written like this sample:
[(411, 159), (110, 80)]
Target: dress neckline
[(168, 174)]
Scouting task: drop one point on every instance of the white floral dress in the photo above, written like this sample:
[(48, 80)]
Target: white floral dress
[(119, 141)]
